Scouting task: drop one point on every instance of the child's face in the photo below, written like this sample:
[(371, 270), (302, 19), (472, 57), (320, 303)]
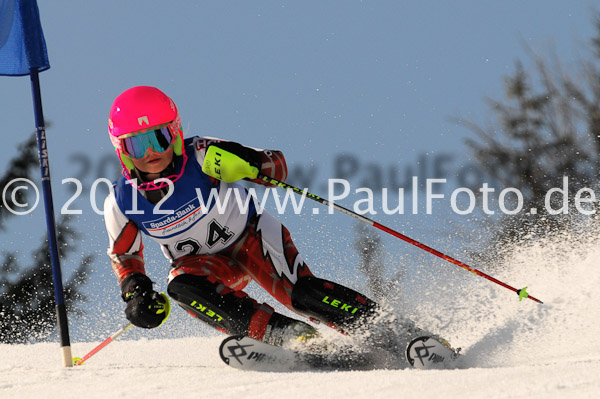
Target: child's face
[(154, 162)]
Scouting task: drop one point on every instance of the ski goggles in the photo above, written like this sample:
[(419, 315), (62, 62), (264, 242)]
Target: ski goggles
[(138, 144)]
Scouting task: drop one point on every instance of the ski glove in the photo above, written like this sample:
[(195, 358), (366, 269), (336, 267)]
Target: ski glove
[(229, 161), (145, 308)]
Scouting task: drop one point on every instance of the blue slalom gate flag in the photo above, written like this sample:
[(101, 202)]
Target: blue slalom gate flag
[(22, 44)]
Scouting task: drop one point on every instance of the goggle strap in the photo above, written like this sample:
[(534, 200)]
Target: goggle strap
[(142, 131)]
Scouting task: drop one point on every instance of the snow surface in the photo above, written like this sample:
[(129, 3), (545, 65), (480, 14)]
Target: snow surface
[(512, 349)]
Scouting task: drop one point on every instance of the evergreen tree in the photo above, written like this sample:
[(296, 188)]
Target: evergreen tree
[(546, 128), (27, 303)]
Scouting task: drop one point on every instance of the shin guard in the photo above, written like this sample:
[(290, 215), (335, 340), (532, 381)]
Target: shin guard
[(333, 304), (231, 312)]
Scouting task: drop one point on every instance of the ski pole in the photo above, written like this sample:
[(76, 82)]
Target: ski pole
[(77, 361), (521, 292)]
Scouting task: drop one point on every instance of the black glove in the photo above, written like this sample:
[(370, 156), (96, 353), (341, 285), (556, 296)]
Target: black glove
[(145, 308), (249, 155)]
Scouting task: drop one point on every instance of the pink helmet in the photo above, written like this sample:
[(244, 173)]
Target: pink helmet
[(139, 110)]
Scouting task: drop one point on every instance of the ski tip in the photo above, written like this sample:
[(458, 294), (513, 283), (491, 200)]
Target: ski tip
[(226, 342), (430, 353)]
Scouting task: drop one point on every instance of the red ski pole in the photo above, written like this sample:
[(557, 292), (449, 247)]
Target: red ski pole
[(521, 292), (77, 361)]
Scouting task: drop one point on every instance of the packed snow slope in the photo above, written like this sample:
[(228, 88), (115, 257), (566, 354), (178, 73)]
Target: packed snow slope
[(511, 349)]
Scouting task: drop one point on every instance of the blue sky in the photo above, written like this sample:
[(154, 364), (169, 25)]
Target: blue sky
[(378, 80)]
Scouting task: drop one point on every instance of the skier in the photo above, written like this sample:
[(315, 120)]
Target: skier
[(213, 254)]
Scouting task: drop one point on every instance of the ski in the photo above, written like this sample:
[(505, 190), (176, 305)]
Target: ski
[(245, 353), (427, 353)]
